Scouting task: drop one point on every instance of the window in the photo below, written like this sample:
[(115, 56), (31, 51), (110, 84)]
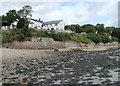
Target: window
[(52, 28), (56, 28)]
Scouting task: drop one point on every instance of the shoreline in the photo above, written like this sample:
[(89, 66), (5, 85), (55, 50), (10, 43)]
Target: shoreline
[(11, 53), (97, 47)]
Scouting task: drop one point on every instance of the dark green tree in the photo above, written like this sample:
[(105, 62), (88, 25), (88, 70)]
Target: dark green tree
[(116, 33), (75, 28), (4, 21), (88, 28), (11, 16), (109, 29), (100, 28), (21, 23)]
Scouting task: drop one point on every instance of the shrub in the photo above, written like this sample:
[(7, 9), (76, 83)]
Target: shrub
[(114, 39), (105, 37), (80, 38), (94, 37), (59, 36), (22, 34), (100, 38), (6, 37)]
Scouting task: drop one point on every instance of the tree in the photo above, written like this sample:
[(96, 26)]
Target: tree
[(116, 33), (4, 21), (11, 16), (21, 23), (109, 30), (25, 14), (79, 29), (88, 28), (100, 28), (75, 28), (68, 27), (0, 22)]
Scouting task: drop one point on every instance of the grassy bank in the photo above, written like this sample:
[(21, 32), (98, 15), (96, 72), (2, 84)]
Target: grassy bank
[(26, 34)]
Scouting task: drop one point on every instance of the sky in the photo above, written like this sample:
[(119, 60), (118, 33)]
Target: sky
[(82, 12)]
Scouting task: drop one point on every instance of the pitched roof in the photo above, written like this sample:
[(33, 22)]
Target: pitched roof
[(51, 22), (36, 20)]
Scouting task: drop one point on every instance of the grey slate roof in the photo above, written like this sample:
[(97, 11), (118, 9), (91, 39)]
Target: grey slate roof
[(51, 22)]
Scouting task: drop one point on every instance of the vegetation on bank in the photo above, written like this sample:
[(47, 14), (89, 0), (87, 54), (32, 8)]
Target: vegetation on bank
[(97, 33), (26, 34)]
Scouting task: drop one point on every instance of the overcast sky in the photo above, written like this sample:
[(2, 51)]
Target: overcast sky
[(71, 12)]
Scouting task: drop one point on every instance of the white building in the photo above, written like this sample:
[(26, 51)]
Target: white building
[(34, 23), (53, 25), (12, 26), (38, 24)]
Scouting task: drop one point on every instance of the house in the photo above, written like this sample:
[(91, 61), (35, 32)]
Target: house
[(53, 25), (34, 23), (38, 24), (12, 26)]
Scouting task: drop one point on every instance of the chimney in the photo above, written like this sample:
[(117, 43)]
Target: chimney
[(39, 19)]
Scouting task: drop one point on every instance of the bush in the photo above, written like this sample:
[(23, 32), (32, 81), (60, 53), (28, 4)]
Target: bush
[(100, 38), (114, 39), (6, 37), (80, 38), (22, 34), (106, 37), (59, 36), (116, 33), (41, 33), (94, 37)]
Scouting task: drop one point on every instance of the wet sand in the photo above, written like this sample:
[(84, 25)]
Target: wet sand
[(47, 67)]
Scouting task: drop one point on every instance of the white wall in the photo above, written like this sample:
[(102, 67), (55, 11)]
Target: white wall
[(5, 27), (12, 26), (35, 24), (59, 26)]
